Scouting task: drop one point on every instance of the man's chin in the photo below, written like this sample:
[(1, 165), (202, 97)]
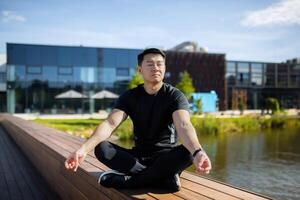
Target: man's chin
[(155, 81)]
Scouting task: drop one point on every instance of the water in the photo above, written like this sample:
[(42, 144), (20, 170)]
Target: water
[(267, 162)]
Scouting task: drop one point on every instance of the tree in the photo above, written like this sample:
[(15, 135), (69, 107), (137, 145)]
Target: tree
[(186, 85), (273, 105), (241, 106), (199, 106), (136, 80)]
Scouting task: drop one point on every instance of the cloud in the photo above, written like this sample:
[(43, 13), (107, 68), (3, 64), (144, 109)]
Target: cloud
[(2, 58), (10, 16), (284, 12)]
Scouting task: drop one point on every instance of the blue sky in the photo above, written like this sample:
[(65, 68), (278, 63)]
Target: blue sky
[(256, 30)]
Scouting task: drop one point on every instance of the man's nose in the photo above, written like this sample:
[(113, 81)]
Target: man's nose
[(155, 67)]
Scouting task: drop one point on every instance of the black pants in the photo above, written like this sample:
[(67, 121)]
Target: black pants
[(144, 170)]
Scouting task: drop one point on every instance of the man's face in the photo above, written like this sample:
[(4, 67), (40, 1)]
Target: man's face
[(153, 68)]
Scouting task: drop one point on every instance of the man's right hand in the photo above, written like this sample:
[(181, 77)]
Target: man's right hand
[(75, 159)]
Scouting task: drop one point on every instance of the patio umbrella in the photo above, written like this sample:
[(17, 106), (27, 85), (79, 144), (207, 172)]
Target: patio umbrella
[(105, 94), (70, 94)]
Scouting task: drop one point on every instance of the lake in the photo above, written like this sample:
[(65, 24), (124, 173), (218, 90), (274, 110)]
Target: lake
[(264, 162)]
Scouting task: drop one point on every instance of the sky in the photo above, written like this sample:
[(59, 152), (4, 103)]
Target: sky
[(250, 30)]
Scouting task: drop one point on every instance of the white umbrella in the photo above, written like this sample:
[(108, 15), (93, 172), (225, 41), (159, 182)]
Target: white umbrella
[(105, 94), (70, 94)]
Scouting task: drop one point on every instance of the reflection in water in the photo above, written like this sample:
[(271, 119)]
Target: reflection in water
[(267, 163)]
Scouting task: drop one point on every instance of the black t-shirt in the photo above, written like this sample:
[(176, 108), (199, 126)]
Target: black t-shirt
[(152, 115)]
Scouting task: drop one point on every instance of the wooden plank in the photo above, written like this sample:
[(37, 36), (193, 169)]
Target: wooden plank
[(58, 182), (37, 155), (15, 168), (206, 191), (55, 150), (13, 186), (31, 178), (3, 185), (225, 188), (188, 194)]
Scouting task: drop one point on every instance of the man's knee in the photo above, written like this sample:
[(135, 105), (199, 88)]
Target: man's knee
[(185, 155), (104, 151)]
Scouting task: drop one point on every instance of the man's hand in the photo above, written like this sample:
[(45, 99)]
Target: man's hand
[(74, 160), (202, 162)]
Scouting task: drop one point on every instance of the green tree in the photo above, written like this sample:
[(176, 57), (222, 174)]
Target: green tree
[(186, 84), (199, 106), (136, 80), (241, 106), (273, 105)]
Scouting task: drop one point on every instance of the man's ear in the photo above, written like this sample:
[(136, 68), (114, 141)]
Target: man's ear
[(139, 69)]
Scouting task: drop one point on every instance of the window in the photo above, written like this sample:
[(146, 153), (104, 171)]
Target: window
[(243, 67), (243, 78), (34, 70), (230, 66), (295, 68), (107, 75), (270, 80), (109, 57), (20, 72), (282, 80), (122, 72), (282, 68), (256, 79), (295, 80), (257, 68), (2, 77), (65, 78), (230, 77), (270, 68), (50, 73), (65, 70)]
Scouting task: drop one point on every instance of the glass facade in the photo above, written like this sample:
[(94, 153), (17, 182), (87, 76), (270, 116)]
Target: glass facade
[(38, 73), (262, 80), (35, 74)]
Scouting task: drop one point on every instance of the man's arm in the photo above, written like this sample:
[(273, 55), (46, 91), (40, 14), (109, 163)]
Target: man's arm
[(187, 134), (102, 132)]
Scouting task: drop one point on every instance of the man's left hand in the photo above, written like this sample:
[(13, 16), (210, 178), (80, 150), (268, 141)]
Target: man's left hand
[(202, 162)]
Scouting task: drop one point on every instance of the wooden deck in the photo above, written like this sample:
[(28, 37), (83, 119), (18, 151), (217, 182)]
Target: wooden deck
[(18, 177), (48, 149)]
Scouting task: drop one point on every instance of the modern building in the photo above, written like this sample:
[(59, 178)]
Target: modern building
[(206, 69), (255, 81), (35, 75)]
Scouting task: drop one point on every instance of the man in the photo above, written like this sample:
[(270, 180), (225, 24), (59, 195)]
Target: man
[(155, 108)]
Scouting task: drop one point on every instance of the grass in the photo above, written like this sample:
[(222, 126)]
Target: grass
[(207, 125), (79, 127), (85, 127), (212, 125)]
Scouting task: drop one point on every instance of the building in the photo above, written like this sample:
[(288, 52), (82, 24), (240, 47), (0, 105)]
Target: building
[(209, 101), (35, 74), (206, 69), (38, 73), (253, 82)]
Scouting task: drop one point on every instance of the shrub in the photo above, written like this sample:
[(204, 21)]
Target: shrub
[(273, 105)]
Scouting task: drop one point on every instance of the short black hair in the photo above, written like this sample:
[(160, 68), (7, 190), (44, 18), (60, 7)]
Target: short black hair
[(148, 51)]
